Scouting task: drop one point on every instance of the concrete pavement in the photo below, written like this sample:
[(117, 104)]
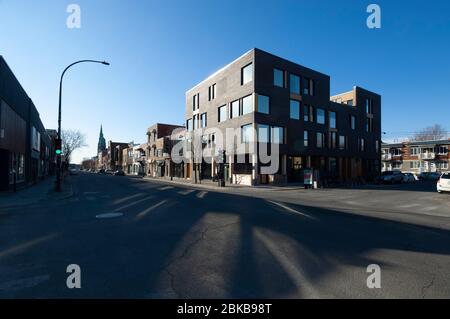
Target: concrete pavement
[(181, 241)]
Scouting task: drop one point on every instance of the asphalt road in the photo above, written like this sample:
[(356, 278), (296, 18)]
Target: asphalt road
[(177, 241)]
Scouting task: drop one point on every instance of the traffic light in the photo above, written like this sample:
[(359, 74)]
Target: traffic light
[(58, 144)]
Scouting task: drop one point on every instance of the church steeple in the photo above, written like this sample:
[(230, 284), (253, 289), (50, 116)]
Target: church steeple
[(101, 141)]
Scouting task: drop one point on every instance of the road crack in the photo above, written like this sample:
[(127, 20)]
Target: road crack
[(426, 287)]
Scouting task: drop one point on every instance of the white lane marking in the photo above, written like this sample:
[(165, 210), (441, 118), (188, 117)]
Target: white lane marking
[(291, 210), (109, 215), (122, 200), (429, 209), (166, 188), (292, 270), (148, 210), (409, 206), (186, 192), (133, 203), (202, 194), (27, 245)]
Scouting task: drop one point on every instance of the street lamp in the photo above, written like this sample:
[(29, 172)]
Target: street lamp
[(58, 151)]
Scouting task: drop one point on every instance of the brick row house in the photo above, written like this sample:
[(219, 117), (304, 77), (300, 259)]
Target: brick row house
[(417, 157)]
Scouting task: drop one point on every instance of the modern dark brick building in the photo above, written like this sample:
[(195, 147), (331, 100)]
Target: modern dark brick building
[(25, 146), (290, 105)]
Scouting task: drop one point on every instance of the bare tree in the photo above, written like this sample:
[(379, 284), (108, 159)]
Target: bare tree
[(71, 141), (435, 132)]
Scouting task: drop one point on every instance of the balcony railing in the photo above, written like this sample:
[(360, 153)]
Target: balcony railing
[(386, 157), (427, 156)]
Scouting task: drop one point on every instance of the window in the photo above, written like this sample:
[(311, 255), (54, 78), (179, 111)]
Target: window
[(414, 165), (294, 84), (308, 113), (342, 142), (442, 150), (195, 122), (333, 140), (320, 116), (308, 86), (320, 140), (263, 104), (369, 125), (234, 112), (247, 133), (295, 110), (203, 120), (189, 125), (195, 101), (362, 145), (278, 78), (332, 118), (222, 113), (306, 138), (263, 133), (353, 122), (247, 74), (247, 105), (369, 106), (350, 102), (277, 135), (212, 92), (414, 151)]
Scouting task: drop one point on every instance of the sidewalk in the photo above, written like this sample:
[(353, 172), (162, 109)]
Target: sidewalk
[(44, 190)]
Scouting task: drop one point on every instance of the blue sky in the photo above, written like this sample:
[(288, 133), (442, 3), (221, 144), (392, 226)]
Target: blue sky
[(159, 49)]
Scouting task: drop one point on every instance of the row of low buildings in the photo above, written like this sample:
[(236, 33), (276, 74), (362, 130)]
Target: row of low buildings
[(26, 147), (271, 104), (417, 156)]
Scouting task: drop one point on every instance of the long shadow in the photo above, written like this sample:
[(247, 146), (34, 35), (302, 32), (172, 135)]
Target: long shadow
[(420, 186)]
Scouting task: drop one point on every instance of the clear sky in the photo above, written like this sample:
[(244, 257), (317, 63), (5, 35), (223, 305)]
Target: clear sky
[(159, 49)]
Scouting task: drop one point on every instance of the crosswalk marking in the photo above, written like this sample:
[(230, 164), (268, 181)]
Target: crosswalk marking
[(165, 188), (186, 192), (201, 194), (291, 210), (133, 203), (148, 210)]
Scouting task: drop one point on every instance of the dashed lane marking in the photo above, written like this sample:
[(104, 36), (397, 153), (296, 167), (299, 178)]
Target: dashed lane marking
[(291, 210), (186, 192), (202, 194)]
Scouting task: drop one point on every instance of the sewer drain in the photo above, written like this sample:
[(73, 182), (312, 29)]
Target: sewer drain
[(109, 215)]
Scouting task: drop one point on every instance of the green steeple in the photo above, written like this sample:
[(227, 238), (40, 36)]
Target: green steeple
[(101, 141)]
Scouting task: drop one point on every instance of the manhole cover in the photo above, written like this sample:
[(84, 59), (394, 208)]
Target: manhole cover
[(109, 215)]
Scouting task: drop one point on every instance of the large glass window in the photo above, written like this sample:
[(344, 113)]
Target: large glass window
[(342, 142), (332, 116), (353, 122), (333, 140), (369, 125), (278, 78), (295, 110), (263, 133), (222, 113), (203, 120), (263, 104), (320, 116), (320, 140), (234, 109), (308, 86), (247, 105), (277, 136), (247, 74), (306, 138), (189, 125), (294, 84), (247, 133)]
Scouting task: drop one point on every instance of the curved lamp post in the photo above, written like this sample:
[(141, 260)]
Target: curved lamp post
[(58, 156)]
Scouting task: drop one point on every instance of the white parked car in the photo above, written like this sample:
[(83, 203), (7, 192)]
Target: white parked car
[(443, 185)]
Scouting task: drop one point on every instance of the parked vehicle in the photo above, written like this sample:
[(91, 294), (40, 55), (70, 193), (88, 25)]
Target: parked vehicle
[(427, 176), (443, 185), (391, 177), (119, 173), (408, 178), (109, 172), (101, 171)]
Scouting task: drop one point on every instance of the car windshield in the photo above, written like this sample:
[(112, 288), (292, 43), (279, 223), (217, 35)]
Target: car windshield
[(446, 176)]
